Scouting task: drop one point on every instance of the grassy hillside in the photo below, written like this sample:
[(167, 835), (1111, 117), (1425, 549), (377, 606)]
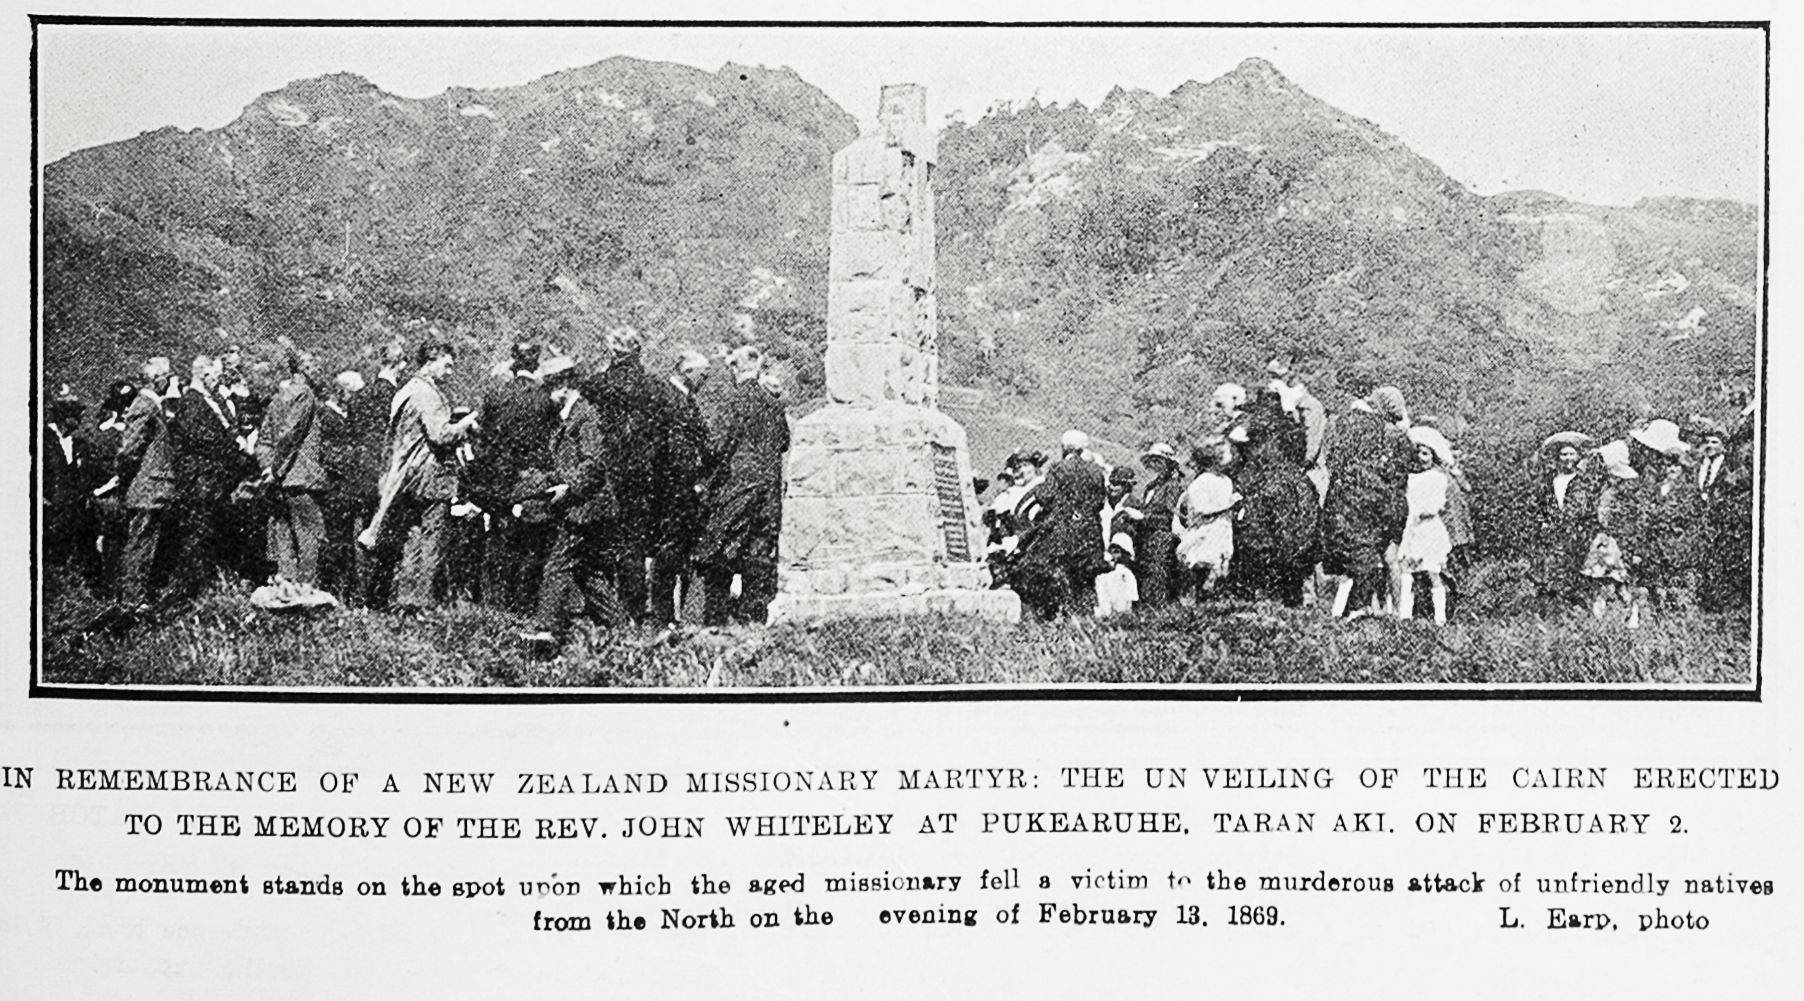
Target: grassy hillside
[(222, 640)]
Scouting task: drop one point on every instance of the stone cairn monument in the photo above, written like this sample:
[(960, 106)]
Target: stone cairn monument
[(879, 516)]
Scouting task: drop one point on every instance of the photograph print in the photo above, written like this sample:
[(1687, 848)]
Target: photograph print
[(985, 361)]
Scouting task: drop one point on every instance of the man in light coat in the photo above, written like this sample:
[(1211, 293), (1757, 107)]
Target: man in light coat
[(417, 486), (147, 464)]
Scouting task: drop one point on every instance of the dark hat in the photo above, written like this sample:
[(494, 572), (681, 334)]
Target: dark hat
[(526, 356), (1122, 476)]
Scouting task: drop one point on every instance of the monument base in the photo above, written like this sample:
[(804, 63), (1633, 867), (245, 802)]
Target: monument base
[(997, 606), (891, 589), (879, 519)]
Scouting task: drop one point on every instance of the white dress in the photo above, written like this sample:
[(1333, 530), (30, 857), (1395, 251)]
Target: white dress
[(1206, 542), (1116, 592), (1426, 544)]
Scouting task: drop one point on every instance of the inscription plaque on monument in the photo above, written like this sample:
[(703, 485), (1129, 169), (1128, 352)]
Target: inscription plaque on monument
[(879, 516)]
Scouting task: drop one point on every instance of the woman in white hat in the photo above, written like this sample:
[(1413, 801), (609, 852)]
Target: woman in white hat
[(1426, 543), (1618, 507), (1161, 579), (1671, 512)]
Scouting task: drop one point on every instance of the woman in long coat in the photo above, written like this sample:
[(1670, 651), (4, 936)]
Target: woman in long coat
[(1369, 462), (1275, 541), (1160, 575)]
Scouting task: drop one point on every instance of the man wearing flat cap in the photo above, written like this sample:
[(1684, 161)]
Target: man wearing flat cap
[(581, 568)]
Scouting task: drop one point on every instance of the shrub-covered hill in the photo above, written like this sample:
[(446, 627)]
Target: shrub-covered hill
[(1100, 267), (337, 215)]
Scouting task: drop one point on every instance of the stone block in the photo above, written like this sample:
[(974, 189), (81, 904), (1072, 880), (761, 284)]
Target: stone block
[(998, 606), (868, 295), (867, 472), (810, 472), (865, 254), (864, 326), (808, 524), (869, 160), (860, 373), (841, 426), (865, 206)]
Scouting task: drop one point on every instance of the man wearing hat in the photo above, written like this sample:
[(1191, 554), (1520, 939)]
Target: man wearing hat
[(582, 566), (513, 456), (1066, 539), (69, 526)]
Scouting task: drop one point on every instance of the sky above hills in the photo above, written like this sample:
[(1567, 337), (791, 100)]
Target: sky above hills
[(1600, 115)]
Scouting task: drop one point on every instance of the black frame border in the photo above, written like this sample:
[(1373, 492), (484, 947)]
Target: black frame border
[(791, 696)]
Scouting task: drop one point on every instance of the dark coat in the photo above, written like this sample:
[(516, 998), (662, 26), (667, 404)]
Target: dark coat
[(1279, 515), (1071, 498), (290, 443), (635, 419), (518, 421), (208, 462), (1367, 505), (68, 478), (748, 434), (683, 465), (579, 459), (351, 467)]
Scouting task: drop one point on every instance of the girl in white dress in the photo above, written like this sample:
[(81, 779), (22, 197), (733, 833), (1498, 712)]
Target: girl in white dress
[(1426, 544)]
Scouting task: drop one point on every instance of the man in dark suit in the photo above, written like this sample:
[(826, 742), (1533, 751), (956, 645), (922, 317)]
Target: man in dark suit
[(210, 460), (678, 485), (69, 526), (367, 413), (748, 435), (1065, 544), (634, 417), (582, 567), (518, 420)]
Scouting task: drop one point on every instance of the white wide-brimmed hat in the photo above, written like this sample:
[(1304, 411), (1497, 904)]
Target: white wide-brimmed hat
[(1662, 436), (1161, 450), (1436, 442)]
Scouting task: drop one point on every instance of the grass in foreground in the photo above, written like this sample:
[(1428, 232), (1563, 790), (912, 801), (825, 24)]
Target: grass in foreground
[(222, 640)]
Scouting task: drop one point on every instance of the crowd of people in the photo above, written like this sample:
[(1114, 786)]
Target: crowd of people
[(1354, 513), (630, 498), (611, 492)]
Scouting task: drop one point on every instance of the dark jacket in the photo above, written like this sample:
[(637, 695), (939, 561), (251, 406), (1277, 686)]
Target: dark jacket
[(290, 442), (1071, 499), (748, 434), (579, 459), (1279, 515), (682, 465), (1369, 461), (208, 462), (517, 424), (146, 456), (635, 419)]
